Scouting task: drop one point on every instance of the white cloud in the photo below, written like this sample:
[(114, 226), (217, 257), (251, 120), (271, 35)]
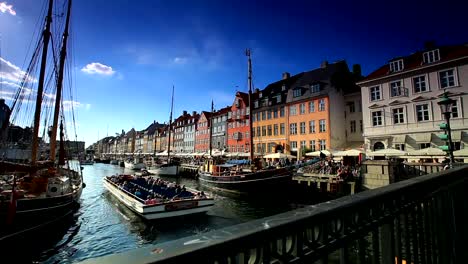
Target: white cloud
[(4, 7), (11, 72), (179, 60), (98, 68)]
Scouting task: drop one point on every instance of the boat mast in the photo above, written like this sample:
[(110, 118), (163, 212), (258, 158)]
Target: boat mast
[(211, 126), (58, 98), (170, 127), (40, 87), (247, 53)]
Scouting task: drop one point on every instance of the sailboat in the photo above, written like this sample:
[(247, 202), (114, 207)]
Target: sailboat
[(38, 193), (236, 179), (170, 167)]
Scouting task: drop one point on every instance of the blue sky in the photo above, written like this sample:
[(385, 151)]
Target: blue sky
[(128, 54)]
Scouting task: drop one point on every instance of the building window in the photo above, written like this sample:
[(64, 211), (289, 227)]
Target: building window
[(283, 87), (253, 131), (303, 144), (269, 130), (396, 89), (352, 125), (247, 134), (292, 110), (360, 125), (258, 132), (455, 110), (352, 107), (396, 66), (419, 84), (293, 145), (312, 126), (263, 131), (278, 98), (293, 129), (377, 118), (447, 79), (263, 115), (312, 145), (398, 116), (258, 116), (275, 113), (375, 93), (254, 118), (282, 129), (296, 92), (275, 129), (424, 145), (302, 128), (323, 145), (431, 56), (322, 126), (322, 105), (311, 107), (422, 112), (315, 88), (269, 115), (399, 147), (302, 108), (282, 111)]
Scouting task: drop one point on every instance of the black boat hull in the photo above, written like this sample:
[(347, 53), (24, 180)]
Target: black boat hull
[(250, 184)]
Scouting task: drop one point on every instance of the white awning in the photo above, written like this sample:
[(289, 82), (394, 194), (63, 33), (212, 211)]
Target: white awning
[(399, 139), (456, 136), (423, 137)]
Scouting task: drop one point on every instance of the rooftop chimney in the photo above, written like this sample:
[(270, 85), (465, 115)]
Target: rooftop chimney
[(185, 112), (324, 64), (257, 90), (194, 113), (286, 75)]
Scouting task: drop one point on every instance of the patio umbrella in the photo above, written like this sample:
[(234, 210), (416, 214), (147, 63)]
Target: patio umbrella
[(348, 153), (317, 153), (279, 156), (389, 152)]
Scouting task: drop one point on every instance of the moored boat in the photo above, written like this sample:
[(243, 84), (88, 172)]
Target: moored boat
[(36, 193), (135, 164), (153, 198)]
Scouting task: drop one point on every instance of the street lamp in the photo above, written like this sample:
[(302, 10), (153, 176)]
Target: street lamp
[(446, 106)]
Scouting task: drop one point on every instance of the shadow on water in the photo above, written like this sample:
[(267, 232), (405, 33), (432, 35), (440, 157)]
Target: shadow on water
[(104, 226)]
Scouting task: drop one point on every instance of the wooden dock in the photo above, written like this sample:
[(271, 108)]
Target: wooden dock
[(189, 170), (326, 182)]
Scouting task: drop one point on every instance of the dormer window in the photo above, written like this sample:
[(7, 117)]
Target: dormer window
[(297, 92), (396, 66), (315, 88), (237, 102), (431, 56), (256, 104), (278, 98), (283, 88), (260, 95)]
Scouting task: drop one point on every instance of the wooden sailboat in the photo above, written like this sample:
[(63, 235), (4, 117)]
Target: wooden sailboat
[(41, 192), (240, 180), (170, 167)]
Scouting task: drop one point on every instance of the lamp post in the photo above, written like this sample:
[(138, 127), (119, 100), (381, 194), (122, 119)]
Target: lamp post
[(446, 106)]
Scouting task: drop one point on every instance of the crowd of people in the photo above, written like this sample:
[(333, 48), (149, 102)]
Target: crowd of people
[(330, 167)]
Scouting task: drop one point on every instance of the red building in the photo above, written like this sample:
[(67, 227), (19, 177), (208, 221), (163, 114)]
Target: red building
[(238, 124), (202, 135)]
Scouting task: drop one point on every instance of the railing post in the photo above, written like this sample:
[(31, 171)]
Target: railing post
[(387, 239)]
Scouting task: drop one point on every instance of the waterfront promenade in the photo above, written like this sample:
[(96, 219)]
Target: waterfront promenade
[(419, 220)]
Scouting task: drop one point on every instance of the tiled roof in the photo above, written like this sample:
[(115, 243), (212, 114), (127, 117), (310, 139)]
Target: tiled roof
[(415, 60)]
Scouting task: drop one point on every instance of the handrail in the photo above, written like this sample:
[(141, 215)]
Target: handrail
[(419, 220)]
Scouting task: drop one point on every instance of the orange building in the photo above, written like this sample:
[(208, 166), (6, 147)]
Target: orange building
[(238, 130), (316, 109), (270, 121)]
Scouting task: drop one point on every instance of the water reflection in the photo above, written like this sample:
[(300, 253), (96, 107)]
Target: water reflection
[(103, 226)]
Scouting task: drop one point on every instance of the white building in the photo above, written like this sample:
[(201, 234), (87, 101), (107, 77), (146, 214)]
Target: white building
[(189, 133), (399, 100)]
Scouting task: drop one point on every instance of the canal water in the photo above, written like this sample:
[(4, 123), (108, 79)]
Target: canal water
[(102, 226)]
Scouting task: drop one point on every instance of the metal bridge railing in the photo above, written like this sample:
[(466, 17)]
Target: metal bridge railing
[(420, 220)]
